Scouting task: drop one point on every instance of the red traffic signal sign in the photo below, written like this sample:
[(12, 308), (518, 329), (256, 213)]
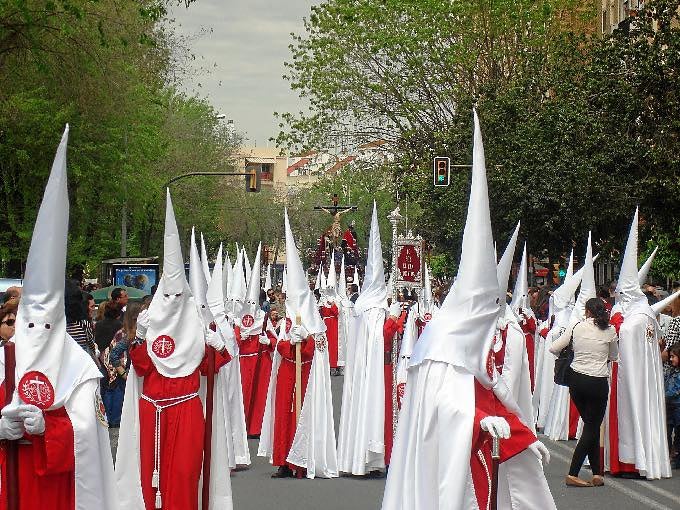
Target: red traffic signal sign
[(442, 171)]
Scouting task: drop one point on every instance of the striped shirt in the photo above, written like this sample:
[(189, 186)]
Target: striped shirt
[(81, 332)]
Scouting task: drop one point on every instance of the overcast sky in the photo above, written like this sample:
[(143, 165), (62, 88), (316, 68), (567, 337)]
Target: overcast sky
[(245, 52)]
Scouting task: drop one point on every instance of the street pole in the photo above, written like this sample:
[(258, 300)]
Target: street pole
[(394, 218)]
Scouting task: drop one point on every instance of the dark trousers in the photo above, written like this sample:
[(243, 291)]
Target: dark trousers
[(590, 398)]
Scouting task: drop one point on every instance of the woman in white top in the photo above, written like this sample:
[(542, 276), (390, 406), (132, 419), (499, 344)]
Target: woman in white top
[(595, 344)]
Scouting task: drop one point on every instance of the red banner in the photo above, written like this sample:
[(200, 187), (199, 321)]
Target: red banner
[(408, 264)]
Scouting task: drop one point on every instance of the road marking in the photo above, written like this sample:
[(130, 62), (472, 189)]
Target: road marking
[(649, 502), (663, 492)]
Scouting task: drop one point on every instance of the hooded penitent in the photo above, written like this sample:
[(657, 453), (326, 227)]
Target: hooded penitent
[(237, 288), (636, 438), (462, 331), (176, 341), (435, 464), (520, 295), (313, 446), (504, 266), (46, 357), (204, 260), (644, 270), (374, 291), (230, 375), (53, 371), (251, 313), (197, 281), (246, 264)]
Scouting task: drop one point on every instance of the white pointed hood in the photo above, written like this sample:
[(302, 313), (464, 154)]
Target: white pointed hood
[(330, 291), (504, 266), (300, 301), (215, 300), (284, 281), (658, 307), (227, 272), (49, 364), (564, 294), (175, 339), (319, 279), (520, 295), (462, 332), (239, 285), (246, 264), (628, 292), (268, 278), (355, 278), (197, 281), (644, 270), (204, 260), (374, 291), (252, 302), (342, 283), (588, 289)]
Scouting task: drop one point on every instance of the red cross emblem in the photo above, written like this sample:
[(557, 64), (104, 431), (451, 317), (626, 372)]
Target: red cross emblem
[(427, 317), (163, 346), (247, 321), (35, 388)]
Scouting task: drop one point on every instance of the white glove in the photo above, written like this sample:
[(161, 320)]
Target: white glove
[(395, 309), (263, 339), (143, 321), (214, 340), (11, 429), (298, 334), (540, 451), (32, 416), (495, 426)]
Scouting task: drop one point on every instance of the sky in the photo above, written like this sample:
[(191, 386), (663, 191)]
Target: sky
[(243, 44)]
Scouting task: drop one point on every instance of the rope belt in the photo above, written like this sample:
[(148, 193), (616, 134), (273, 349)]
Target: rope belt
[(248, 355), (160, 405)]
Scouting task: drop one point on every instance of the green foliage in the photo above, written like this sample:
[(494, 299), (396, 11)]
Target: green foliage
[(578, 129), (106, 68)]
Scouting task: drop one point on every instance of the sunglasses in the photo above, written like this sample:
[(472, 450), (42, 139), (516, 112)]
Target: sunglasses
[(9, 322)]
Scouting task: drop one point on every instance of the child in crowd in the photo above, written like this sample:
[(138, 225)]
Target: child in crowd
[(672, 385)]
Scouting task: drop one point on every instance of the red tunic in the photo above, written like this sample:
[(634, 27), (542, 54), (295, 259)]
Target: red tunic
[(46, 465), (256, 367), (284, 407), (181, 432), (391, 327), (330, 317), (487, 404)]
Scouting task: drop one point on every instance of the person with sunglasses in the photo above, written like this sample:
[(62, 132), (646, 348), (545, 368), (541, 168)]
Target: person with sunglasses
[(8, 317)]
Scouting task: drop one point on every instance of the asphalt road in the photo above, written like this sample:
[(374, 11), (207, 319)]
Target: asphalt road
[(254, 489)]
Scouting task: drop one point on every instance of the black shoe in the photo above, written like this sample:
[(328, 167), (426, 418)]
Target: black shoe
[(253, 436), (376, 473), (283, 472)]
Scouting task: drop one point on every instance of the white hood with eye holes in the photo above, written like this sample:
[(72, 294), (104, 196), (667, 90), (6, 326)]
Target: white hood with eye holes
[(50, 364), (175, 340)]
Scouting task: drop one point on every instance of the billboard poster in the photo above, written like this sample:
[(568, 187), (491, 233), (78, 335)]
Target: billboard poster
[(142, 276)]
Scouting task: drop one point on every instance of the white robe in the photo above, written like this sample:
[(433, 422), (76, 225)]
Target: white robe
[(361, 441), (640, 398), (430, 467)]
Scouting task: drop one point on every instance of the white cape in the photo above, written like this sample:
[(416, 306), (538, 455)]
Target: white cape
[(361, 442), (430, 467), (313, 447), (640, 398)]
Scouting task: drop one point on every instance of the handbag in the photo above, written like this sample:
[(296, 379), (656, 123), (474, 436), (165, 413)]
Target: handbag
[(563, 362)]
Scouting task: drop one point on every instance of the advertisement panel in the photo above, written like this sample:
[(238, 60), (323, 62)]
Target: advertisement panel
[(139, 276)]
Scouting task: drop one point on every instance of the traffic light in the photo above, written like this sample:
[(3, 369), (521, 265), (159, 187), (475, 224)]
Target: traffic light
[(253, 179), (442, 171), (562, 272)]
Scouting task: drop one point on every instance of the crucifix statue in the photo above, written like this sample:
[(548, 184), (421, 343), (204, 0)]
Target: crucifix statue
[(336, 211)]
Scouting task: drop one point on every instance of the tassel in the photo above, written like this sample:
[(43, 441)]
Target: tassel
[(154, 479), (159, 501)]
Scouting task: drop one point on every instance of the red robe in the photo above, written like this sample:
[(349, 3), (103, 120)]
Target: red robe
[(487, 404), (182, 428), (330, 317), (391, 327), (46, 465), (256, 367), (284, 407)]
